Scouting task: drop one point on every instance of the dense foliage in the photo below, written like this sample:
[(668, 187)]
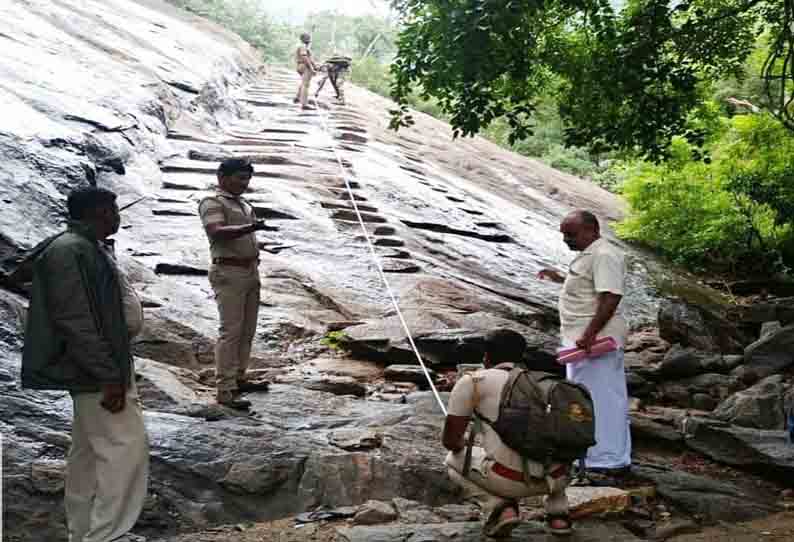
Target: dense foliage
[(626, 80), (733, 212)]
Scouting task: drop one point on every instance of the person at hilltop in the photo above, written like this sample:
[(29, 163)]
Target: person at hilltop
[(495, 475), (590, 310), (335, 70), (83, 314), (306, 68), (231, 225)]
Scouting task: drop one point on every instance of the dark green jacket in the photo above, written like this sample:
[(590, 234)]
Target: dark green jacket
[(76, 337)]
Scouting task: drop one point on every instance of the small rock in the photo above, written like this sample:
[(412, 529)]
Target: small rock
[(590, 501), (746, 375), (680, 362), (338, 385), (408, 373), (459, 512), (635, 404), (769, 328), (356, 439), (673, 528), (787, 494), (48, 476), (637, 385), (731, 361), (374, 512), (415, 512), (701, 401), (207, 374), (179, 269)]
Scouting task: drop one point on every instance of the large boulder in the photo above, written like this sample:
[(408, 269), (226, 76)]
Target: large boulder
[(699, 327), (763, 406), (740, 446), (711, 500), (772, 353), (681, 362)]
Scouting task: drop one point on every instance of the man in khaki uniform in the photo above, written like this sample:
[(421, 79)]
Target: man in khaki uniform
[(231, 224), (498, 476), (306, 67), (335, 69)]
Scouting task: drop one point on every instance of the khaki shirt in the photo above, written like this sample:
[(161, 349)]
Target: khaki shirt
[(601, 267), (303, 58), (489, 384), (229, 210)]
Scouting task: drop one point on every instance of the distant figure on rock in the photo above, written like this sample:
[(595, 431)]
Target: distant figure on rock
[(82, 316), (230, 223), (590, 310), (306, 67), (335, 69), (496, 475)]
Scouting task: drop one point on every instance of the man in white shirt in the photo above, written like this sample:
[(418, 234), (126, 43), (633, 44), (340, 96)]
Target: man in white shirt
[(498, 476), (590, 310)]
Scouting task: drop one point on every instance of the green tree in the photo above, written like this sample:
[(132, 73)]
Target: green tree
[(627, 80)]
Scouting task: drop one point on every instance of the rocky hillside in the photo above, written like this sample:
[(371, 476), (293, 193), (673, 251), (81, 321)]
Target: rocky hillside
[(145, 100)]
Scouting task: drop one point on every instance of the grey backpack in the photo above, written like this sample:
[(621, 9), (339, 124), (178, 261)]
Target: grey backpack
[(544, 417)]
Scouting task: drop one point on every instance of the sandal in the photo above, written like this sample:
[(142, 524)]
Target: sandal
[(495, 527), (566, 530)]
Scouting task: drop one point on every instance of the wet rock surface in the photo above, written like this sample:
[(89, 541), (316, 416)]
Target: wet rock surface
[(146, 103)]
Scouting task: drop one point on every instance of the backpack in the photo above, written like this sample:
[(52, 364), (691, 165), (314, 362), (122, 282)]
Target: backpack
[(544, 417), (18, 279)]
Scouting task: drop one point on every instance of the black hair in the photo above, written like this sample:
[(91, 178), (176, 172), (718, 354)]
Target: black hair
[(82, 202), (230, 166), (588, 219), (505, 346)]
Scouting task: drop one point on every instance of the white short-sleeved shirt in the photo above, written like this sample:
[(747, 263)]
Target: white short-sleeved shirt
[(601, 267), (489, 384)]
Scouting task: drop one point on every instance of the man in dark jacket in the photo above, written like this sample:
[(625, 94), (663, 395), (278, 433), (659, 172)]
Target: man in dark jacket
[(82, 315)]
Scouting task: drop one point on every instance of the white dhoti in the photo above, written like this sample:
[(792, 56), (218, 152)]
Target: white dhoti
[(107, 469), (605, 378)]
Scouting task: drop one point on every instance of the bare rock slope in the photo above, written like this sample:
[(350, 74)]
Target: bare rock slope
[(145, 100)]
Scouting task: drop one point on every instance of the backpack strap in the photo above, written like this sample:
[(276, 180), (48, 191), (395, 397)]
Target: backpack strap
[(475, 399)]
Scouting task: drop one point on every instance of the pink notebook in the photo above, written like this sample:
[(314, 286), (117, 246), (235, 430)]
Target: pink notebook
[(600, 347)]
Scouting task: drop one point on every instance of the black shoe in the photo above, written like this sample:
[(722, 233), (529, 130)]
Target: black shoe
[(608, 477), (229, 399), (247, 386)]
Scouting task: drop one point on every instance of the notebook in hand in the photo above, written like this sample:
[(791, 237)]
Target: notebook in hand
[(600, 347)]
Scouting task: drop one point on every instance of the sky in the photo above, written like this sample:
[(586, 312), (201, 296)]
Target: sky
[(294, 11)]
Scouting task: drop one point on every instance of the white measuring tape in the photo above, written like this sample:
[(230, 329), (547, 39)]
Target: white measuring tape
[(375, 258)]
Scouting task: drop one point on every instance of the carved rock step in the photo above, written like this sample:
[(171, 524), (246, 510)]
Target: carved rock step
[(389, 242), (399, 266), (395, 254), (253, 156), (363, 208), (193, 166), (443, 228), (351, 217)]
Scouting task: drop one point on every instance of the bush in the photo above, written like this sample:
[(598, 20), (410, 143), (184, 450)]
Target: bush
[(686, 209)]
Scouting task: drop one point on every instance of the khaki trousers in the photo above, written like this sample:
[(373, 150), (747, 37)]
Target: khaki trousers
[(107, 471), (303, 89), (491, 490), (237, 295)]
